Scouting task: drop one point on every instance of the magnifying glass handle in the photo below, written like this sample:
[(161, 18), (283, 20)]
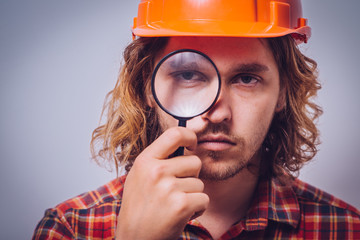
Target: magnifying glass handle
[(180, 150)]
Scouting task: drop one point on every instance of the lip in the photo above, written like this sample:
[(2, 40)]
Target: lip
[(215, 142)]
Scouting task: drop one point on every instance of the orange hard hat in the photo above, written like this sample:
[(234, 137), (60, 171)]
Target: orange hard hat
[(230, 18)]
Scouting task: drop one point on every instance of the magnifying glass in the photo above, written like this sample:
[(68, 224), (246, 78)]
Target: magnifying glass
[(185, 84)]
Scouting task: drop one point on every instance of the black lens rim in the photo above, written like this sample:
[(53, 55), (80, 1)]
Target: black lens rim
[(156, 70)]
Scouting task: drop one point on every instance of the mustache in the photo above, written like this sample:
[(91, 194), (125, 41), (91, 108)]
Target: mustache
[(212, 128)]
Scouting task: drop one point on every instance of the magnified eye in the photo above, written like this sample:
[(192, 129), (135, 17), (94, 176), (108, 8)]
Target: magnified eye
[(185, 83), (190, 78), (187, 75)]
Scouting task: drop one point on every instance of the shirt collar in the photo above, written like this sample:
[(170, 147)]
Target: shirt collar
[(272, 201)]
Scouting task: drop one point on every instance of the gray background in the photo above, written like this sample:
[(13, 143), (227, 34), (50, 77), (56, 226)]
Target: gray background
[(58, 59)]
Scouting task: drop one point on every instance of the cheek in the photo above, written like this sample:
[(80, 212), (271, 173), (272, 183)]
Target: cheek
[(253, 124), (254, 114), (264, 103), (166, 120)]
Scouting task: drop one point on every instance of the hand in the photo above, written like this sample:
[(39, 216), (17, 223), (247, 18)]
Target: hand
[(161, 194)]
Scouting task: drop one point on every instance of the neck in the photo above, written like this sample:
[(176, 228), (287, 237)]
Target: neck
[(231, 195), (229, 202)]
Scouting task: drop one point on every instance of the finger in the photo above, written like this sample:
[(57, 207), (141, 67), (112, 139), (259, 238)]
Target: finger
[(184, 166), (170, 140), (197, 214), (199, 201), (189, 185)]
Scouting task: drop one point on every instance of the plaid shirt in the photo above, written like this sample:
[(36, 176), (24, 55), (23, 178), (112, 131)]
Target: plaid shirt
[(299, 211)]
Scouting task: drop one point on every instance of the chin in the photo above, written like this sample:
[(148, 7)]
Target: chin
[(221, 166), (220, 171)]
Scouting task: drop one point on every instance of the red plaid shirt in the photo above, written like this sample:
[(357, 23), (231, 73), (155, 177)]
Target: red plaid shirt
[(299, 211)]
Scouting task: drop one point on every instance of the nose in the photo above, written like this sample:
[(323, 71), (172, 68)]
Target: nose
[(221, 111)]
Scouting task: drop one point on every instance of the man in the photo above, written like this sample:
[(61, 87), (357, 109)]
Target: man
[(236, 177)]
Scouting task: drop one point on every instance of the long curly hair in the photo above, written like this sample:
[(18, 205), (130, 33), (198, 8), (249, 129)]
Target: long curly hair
[(131, 124)]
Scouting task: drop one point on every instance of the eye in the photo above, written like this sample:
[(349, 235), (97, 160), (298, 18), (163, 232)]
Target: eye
[(188, 78), (246, 80), (187, 75)]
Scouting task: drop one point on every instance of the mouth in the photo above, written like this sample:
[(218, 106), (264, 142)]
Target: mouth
[(215, 143)]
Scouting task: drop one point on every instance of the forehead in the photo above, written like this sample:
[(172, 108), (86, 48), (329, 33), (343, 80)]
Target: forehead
[(224, 50)]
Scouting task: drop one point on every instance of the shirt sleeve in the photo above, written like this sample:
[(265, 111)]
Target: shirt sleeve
[(53, 226)]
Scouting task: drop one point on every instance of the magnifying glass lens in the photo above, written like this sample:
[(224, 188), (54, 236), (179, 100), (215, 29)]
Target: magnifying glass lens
[(186, 84)]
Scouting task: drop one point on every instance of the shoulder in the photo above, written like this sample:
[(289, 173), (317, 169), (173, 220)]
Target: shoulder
[(78, 217), (107, 193), (311, 213), (312, 197), (325, 216)]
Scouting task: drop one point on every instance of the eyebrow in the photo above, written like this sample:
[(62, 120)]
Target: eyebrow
[(180, 65), (175, 65), (251, 67)]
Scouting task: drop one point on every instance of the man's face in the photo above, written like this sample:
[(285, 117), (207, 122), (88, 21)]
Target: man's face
[(231, 133)]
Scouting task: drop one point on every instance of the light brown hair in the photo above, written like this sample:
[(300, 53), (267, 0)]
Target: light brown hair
[(131, 124), (293, 135)]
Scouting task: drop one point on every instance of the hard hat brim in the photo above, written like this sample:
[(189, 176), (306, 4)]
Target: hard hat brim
[(218, 29)]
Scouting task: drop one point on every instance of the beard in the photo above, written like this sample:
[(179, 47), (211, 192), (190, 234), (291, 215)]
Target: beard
[(220, 173), (222, 165)]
